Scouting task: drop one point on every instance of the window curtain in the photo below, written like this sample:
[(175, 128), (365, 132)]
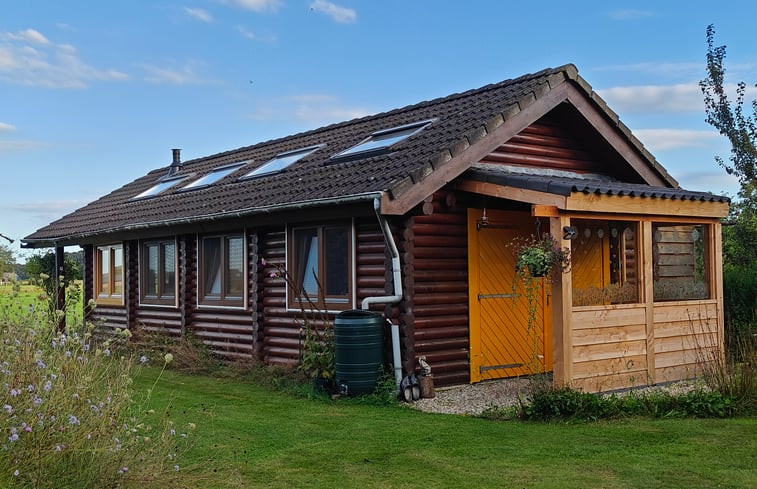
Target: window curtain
[(212, 266)]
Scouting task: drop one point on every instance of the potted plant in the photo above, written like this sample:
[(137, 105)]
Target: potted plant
[(536, 257), (539, 256)]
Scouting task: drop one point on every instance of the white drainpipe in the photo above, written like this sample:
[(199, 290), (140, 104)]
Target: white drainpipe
[(390, 299)]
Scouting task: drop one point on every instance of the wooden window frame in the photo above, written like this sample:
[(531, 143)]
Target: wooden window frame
[(110, 298), (707, 255), (223, 299), (161, 298), (323, 302)]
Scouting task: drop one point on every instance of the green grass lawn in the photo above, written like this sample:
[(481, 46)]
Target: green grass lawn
[(251, 436), (34, 296)]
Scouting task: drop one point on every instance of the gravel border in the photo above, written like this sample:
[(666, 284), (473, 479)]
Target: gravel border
[(473, 399)]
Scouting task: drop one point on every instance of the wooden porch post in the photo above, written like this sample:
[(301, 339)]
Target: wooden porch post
[(60, 290), (647, 279), (716, 282), (562, 297)]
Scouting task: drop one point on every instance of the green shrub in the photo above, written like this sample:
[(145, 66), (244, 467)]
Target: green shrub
[(69, 417), (740, 304)]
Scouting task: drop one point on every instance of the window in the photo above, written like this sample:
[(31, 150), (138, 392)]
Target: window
[(380, 141), (158, 272), (281, 161), (680, 261), (222, 271), (109, 274), (604, 262), (215, 175), (159, 187), (319, 260)]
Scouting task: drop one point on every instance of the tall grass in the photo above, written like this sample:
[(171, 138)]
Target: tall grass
[(69, 417)]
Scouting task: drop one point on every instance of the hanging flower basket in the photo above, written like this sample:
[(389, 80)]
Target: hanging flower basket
[(539, 256)]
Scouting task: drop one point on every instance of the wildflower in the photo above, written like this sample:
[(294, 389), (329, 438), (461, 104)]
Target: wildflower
[(53, 343), (58, 448), (168, 358), (28, 429), (30, 388), (272, 274), (106, 352), (86, 347), (73, 419), (48, 385), (143, 359), (173, 432), (192, 426), (262, 261), (126, 333), (123, 470), (36, 400), (15, 392), (175, 467), (16, 472), (44, 276), (91, 303), (8, 408), (68, 354), (13, 437)]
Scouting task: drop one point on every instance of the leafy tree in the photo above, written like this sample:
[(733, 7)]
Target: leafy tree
[(7, 259), (729, 117), (740, 127)]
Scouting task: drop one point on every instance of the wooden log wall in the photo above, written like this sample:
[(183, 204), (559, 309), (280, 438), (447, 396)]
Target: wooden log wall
[(227, 332), (674, 252), (685, 338), (609, 347), (548, 143), (434, 313), (279, 334)]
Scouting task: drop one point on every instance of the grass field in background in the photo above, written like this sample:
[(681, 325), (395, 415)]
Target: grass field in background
[(251, 436)]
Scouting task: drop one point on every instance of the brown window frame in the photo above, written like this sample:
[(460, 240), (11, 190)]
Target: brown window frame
[(109, 297), (224, 297), (161, 297), (322, 301)]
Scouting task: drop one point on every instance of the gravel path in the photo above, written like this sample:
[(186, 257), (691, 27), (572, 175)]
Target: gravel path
[(473, 399)]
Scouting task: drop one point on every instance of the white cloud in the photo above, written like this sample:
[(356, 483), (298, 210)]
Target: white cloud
[(310, 108), (28, 35), (199, 14), (679, 69), (19, 145), (29, 58), (667, 139), (65, 27), (255, 5), (5, 127), (255, 37), (630, 14), (682, 97), (49, 210), (182, 75), (337, 13)]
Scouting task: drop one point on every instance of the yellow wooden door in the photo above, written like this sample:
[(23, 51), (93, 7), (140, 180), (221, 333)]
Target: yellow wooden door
[(501, 342)]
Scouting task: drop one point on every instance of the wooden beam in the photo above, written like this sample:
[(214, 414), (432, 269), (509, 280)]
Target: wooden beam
[(647, 279), (716, 264), (478, 150), (614, 137), (60, 290), (624, 204), (511, 193), (562, 305), (545, 210)]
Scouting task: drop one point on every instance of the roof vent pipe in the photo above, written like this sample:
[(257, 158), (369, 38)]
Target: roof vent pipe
[(175, 163)]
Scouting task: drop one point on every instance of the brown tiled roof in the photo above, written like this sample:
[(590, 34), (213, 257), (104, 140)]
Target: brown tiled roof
[(459, 120)]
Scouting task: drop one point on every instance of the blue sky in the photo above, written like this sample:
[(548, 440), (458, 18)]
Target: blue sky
[(94, 94)]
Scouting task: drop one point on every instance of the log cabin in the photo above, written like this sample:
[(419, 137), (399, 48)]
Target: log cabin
[(413, 213)]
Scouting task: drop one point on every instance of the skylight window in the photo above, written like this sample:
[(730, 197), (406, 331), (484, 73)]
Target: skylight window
[(215, 175), (281, 161), (380, 141), (159, 187)]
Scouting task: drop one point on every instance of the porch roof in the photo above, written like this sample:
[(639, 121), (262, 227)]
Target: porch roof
[(569, 191)]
